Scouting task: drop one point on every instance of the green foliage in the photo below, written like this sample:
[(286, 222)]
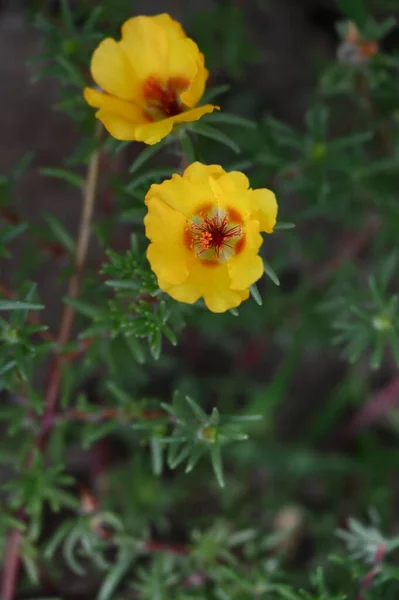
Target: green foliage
[(367, 317), (125, 471)]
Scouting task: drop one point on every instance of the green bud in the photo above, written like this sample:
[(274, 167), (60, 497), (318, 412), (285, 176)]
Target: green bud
[(382, 323), (69, 47), (208, 434), (318, 151), (10, 335)]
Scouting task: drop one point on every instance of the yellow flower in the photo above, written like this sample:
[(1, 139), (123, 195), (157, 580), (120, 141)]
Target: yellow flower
[(151, 79), (204, 229)]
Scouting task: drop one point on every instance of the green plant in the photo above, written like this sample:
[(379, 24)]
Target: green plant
[(147, 447)]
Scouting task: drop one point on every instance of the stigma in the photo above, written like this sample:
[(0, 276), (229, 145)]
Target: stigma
[(214, 238)]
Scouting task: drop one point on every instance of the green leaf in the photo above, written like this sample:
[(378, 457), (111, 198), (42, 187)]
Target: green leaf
[(216, 460), (354, 10), (94, 432), (116, 574), (270, 273), (155, 342), (67, 17), (18, 305), (176, 454), (70, 547), (197, 410), (187, 148), (121, 284), (156, 174), (215, 135), (120, 396), (281, 226), (22, 166), (215, 92), (12, 231), (230, 119), (234, 312), (255, 294), (61, 234), (135, 348), (74, 73), (83, 307), (214, 418), (31, 567), (197, 451), (67, 176), (156, 454), (148, 153), (169, 334)]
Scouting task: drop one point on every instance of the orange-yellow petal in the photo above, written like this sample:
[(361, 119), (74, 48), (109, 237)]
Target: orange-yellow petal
[(185, 292), (264, 208), (214, 283), (187, 194), (211, 283), (230, 192), (120, 118), (194, 93), (173, 28), (111, 104), (247, 267), (154, 132), (194, 114), (199, 173), (197, 252), (112, 71), (168, 261), (162, 223), (145, 44)]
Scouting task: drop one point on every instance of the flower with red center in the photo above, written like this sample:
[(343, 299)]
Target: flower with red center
[(353, 48), (150, 80), (204, 228)]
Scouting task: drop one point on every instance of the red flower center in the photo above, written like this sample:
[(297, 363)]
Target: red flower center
[(162, 101), (214, 235)]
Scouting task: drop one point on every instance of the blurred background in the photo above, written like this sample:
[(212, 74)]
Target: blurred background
[(302, 467)]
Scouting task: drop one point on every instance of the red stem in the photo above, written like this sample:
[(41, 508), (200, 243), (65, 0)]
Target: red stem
[(375, 408), (11, 567), (369, 577)]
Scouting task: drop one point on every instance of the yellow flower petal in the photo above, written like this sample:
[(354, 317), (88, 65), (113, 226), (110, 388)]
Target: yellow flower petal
[(210, 282), (168, 257), (230, 191), (264, 207), (214, 283), (185, 292), (204, 227), (247, 267), (162, 223), (187, 194), (112, 71), (152, 133), (145, 44), (167, 262), (173, 29), (158, 70), (194, 114), (126, 110), (194, 93), (199, 173)]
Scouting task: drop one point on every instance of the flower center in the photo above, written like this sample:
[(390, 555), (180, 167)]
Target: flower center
[(162, 100), (214, 237)]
